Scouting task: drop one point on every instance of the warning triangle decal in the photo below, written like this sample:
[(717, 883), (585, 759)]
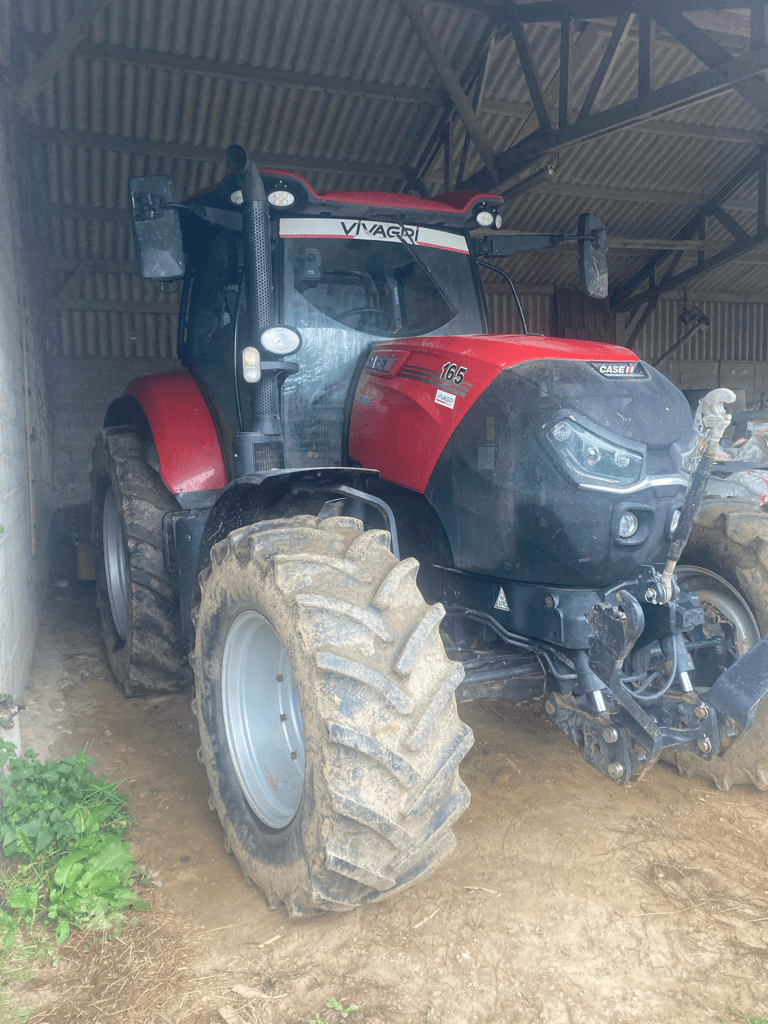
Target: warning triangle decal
[(501, 601)]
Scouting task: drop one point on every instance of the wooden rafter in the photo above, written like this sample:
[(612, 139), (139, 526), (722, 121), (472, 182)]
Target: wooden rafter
[(58, 53), (230, 70)]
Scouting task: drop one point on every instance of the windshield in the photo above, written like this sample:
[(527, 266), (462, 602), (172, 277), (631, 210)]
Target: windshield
[(361, 276)]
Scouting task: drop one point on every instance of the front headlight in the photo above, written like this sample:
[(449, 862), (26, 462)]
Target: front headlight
[(592, 457), (280, 341)]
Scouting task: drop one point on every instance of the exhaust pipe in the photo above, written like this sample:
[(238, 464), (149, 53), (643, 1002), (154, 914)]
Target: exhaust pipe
[(262, 447)]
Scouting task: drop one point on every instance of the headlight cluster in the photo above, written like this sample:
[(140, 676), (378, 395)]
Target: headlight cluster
[(592, 457)]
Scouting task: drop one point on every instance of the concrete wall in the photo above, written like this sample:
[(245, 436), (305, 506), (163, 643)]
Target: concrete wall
[(745, 375), (82, 391), (26, 497)]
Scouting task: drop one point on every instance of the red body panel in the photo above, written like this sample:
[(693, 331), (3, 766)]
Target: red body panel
[(400, 424), (182, 427)]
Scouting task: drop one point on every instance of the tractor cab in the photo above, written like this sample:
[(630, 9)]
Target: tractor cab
[(344, 275), (345, 270)]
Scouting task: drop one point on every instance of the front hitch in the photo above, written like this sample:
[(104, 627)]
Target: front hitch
[(629, 736)]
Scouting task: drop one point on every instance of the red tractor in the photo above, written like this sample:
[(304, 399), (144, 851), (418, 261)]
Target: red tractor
[(354, 504)]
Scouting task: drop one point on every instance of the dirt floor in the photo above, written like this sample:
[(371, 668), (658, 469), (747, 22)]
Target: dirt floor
[(568, 899)]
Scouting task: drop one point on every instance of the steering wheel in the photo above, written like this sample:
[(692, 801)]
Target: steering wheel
[(367, 309)]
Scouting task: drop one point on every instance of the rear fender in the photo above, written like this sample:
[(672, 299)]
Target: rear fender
[(182, 428)]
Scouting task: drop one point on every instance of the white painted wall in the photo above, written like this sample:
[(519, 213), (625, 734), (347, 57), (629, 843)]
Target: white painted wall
[(25, 465)]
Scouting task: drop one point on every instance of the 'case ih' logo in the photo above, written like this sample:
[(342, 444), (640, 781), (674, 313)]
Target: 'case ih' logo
[(621, 371)]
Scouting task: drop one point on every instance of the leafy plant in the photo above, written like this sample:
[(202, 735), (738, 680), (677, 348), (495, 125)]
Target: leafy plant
[(334, 1004), (67, 827), (746, 1018)]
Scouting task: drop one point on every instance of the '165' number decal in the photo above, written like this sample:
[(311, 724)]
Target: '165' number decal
[(452, 372)]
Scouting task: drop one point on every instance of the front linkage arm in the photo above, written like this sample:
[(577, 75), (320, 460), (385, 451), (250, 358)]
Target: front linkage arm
[(626, 739)]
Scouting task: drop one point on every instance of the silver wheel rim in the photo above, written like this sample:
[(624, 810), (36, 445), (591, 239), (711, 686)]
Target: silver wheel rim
[(262, 718), (726, 601), (115, 564)]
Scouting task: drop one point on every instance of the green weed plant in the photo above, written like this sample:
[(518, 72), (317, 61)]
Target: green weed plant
[(66, 829)]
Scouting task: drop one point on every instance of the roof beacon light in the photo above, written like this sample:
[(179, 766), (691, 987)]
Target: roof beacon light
[(281, 197), (251, 365), (280, 341), (485, 218)]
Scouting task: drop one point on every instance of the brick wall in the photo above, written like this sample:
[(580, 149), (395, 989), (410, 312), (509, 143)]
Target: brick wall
[(82, 391)]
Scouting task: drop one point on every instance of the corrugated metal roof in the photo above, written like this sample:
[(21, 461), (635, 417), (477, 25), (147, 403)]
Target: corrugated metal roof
[(95, 124)]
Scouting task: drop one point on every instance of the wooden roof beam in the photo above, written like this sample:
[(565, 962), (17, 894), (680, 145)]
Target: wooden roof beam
[(176, 62), (58, 53), (208, 154)]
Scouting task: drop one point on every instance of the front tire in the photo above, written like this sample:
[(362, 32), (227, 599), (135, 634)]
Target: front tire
[(137, 599), (327, 714), (726, 564)]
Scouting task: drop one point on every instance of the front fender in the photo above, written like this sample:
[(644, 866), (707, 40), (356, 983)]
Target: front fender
[(183, 430), (278, 494)]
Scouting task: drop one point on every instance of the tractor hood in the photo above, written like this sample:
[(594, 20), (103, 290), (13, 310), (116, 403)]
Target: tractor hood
[(548, 461)]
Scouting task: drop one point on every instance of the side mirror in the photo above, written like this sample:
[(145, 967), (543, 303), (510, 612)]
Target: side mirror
[(156, 228), (593, 256)]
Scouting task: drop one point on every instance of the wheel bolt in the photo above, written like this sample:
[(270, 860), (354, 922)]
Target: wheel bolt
[(705, 746), (283, 717), (294, 755), (610, 734), (702, 711), (616, 770)]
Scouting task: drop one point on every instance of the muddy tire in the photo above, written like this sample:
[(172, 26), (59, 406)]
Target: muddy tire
[(726, 564), (136, 597), (327, 714)]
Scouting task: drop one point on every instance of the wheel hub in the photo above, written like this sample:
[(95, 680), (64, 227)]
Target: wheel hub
[(722, 603), (115, 565), (262, 718)]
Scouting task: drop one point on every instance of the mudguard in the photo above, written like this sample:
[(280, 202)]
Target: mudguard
[(183, 431)]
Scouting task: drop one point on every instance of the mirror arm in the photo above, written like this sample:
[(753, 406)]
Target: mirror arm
[(508, 245)]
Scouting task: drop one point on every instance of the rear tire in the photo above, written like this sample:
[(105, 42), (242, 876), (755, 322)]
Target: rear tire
[(137, 599), (333, 753), (730, 540)]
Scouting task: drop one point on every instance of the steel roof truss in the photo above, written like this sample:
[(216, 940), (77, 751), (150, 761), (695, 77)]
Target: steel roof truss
[(623, 299), (701, 85)]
